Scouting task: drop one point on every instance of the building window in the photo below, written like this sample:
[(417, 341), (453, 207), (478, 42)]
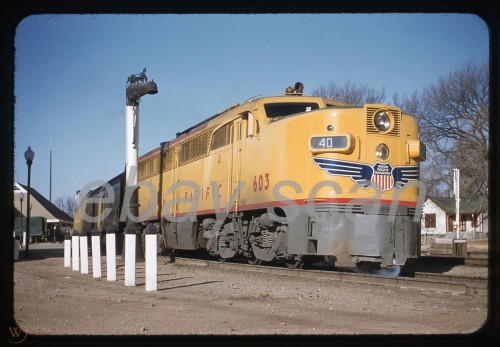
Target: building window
[(463, 220), (430, 220), (451, 222), (462, 223), (476, 221)]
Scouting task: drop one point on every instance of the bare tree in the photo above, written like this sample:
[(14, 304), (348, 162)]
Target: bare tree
[(59, 202), (351, 93), (454, 120), (70, 205), (66, 204)]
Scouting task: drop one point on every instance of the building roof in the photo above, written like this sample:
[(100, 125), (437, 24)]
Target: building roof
[(40, 206), (467, 206)]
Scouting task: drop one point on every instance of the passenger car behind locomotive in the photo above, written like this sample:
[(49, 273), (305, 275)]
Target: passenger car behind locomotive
[(290, 177)]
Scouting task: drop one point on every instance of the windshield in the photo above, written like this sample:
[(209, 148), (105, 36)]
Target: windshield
[(283, 109)]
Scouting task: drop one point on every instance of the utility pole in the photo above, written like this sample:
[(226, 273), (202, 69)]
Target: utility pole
[(50, 173)]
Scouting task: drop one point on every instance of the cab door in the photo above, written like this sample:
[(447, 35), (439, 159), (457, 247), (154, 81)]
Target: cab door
[(237, 152), (175, 179)]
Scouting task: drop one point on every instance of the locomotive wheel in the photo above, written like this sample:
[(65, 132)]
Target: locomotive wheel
[(294, 263)]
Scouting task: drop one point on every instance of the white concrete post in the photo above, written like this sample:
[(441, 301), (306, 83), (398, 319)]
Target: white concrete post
[(96, 254), (111, 254), (84, 253), (16, 248), (67, 251), (151, 258), (75, 242), (130, 259)]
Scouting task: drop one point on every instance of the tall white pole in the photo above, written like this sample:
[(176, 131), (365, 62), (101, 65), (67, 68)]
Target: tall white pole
[(456, 190), (132, 140), (137, 86), (132, 151)]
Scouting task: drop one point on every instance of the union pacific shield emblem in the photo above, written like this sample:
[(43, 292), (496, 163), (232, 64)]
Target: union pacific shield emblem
[(382, 176)]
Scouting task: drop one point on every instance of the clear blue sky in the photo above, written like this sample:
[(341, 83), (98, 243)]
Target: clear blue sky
[(71, 73)]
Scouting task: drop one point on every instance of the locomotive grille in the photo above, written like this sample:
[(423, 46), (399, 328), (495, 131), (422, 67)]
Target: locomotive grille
[(370, 127), (149, 167), (343, 208), (168, 158), (195, 148)]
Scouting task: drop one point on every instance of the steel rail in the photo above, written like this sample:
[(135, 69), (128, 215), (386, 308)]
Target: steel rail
[(476, 280), (424, 281)]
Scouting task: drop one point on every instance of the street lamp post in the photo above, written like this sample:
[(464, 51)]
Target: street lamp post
[(29, 155)]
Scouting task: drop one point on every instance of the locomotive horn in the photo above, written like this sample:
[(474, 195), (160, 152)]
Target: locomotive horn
[(299, 88)]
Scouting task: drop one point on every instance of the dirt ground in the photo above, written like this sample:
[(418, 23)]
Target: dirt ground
[(53, 300)]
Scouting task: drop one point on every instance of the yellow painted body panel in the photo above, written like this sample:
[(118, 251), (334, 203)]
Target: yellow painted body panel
[(271, 160)]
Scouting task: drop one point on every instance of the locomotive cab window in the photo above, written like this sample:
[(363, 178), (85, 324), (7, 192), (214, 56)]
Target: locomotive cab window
[(283, 109), (221, 137)]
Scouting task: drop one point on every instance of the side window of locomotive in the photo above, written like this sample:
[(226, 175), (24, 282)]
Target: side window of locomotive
[(221, 137), (283, 109)]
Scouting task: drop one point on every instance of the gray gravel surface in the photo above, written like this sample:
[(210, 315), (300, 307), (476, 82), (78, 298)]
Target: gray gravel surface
[(53, 300)]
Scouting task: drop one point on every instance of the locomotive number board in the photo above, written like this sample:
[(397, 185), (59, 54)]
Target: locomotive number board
[(327, 142)]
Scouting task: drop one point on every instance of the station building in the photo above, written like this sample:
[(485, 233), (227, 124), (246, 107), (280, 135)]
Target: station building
[(48, 222)]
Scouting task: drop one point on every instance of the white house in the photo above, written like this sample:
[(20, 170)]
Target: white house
[(439, 214)]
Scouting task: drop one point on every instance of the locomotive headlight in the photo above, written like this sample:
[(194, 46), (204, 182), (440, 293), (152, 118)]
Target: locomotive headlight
[(382, 151), (382, 120)]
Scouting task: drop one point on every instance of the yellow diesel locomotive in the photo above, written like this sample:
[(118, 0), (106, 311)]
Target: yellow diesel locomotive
[(290, 177)]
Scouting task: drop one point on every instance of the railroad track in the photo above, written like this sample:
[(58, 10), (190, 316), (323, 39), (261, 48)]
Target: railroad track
[(473, 280), (477, 259), (480, 259), (427, 281)]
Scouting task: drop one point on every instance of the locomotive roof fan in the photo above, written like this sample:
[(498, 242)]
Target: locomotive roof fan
[(298, 89)]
